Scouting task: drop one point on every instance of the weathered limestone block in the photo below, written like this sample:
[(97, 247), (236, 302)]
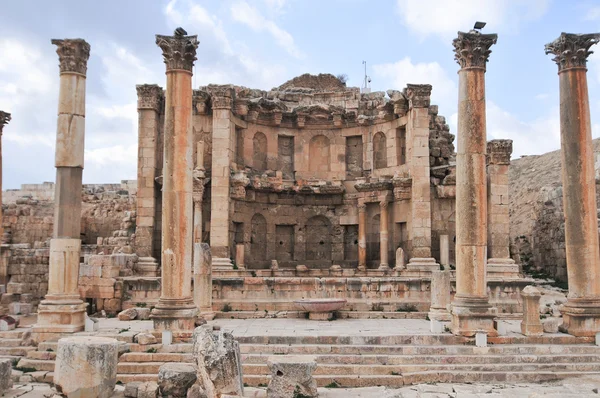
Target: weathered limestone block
[(5, 375), (131, 389), (531, 325), (400, 259), (440, 296), (292, 377), (148, 389), (218, 360), (174, 379), (94, 358), (143, 314), (128, 314), (551, 325), (196, 392), (145, 338)]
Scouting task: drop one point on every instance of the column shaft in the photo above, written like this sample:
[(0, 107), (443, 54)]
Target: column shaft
[(384, 235), (197, 221), (362, 237)]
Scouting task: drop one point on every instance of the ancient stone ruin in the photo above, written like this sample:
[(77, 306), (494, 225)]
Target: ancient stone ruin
[(307, 203)]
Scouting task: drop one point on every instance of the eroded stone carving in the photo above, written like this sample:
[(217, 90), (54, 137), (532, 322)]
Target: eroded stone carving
[(499, 151), (179, 51), (472, 49), (572, 50), (149, 96), (73, 55)]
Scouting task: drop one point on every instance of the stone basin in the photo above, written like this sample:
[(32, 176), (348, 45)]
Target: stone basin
[(320, 309)]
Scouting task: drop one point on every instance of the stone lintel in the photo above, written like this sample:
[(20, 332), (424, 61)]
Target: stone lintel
[(572, 50), (179, 50), (418, 95), (499, 151), (73, 55), (150, 96), (472, 49)]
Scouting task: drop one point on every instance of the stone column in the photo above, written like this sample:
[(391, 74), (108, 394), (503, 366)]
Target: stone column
[(499, 263), (223, 128), (471, 310), (531, 324), (419, 228), (440, 295), (383, 235), (62, 310), (203, 280), (445, 251), (4, 119), (581, 312), (175, 309), (150, 102), (198, 194), (362, 236)]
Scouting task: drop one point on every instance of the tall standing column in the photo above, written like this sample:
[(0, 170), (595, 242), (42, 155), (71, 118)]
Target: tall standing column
[(198, 194), (471, 310), (499, 263), (222, 144), (383, 235), (4, 119), (175, 309), (150, 98), (581, 312), (419, 230), (62, 310), (362, 236)]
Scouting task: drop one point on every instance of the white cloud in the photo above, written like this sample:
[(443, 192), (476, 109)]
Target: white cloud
[(244, 13), (593, 14), (276, 6), (398, 74), (445, 17)]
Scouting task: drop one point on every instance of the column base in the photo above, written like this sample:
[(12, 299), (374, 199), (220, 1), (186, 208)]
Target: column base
[(502, 267), (472, 314), (174, 315), (147, 266), (57, 318), (421, 264), (221, 263), (581, 316), (208, 315), (532, 330), (440, 315), (384, 267)]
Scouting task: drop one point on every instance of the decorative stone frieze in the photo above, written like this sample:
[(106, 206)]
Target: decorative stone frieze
[(150, 96), (200, 102), (73, 55), (221, 97), (572, 50), (499, 151), (179, 51), (472, 49), (419, 95)]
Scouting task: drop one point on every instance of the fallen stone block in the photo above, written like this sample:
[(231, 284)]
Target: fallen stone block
[(145, 339), (7, 323), (5, 375), (218, 362), (175, 379), (143, 314), (551, 325), (128, 314), (291, 377), (95, 362), (148, 389), (131, 389)]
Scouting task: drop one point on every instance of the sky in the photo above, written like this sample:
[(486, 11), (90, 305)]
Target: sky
[(263, 43)]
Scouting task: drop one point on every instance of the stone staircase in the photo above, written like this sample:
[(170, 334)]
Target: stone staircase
[(374, 361)]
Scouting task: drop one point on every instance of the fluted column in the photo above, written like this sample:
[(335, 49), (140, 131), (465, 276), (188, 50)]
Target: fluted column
[(150, 102), (362, 236), (175, 309), (62, 310), (581, 312), (4, 119), (471, 310), (384, 235), (499, 263)]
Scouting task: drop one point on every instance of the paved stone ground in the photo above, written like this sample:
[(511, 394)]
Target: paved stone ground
[(572, 388)]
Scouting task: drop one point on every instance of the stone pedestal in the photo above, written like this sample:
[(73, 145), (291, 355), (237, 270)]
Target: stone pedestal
[(176, 309), (240, 255), (581, 312), (203, 280), (440, 296), (62, 311), (400, 259), (471, 310), (86, 366), (531, 324)]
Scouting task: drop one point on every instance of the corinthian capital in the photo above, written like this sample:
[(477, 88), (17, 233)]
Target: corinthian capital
[(419, 95), (179, 51), (572, 50), (73, 55), (499, 151), (149, 96), (4, 119), (472, 49)]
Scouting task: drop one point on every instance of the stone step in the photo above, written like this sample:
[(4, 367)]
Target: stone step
[(155, 357), (423, 339), (316, 349), (16, 351), (13, 334), (139, 367), (13, 342), (37, 364), (382, 370), (128, 377), (261, 359), (43, 355), (48, 345)]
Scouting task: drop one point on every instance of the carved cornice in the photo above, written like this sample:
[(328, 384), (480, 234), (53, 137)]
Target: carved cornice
[(472, 49), (572, 50), (73, 55), (5, 117), (149, 96), (221, 97), (179, 51), (419, 95), (499, 151)]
